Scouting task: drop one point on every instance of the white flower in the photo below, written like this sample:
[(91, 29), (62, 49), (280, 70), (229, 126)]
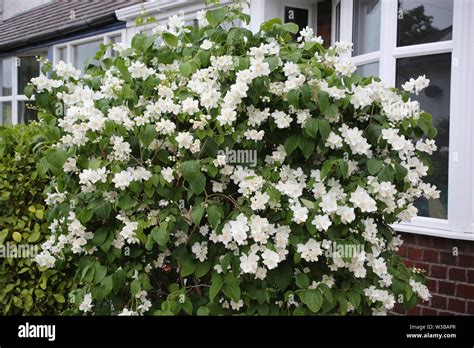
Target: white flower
[(249, 263), (321, 222), (45, 259), (138, 70), (200, 250), (282, 119), (259, 200), (415, 86), (190, 106), (185, 140), (362, 200), (270, 258), (420, 289), (345, 67), (310, 251), (333, 141), (122, 179), (206, 44), (86, 304), (167, 174)]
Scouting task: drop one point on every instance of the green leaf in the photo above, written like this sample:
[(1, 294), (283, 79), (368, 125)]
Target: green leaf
[(324, 128), (326, 168), (197, 214), (231, 287), (187, 268), (294, 98), (147, 134), (202, 311), (215, 17), (56, 158), (160, 234), (374, 165), (306, 145), (326, 292), (311, 127), (185, 69), (199, 184), (291, 143), (281, 276), (190, 170), (60, 298), (99, 273), (28, 91), (170, 39), (214, 215), (232, 291), (343, 167), (290, 27), (331, 111), (323, 101), (313, 299), (400, 171), (302, 281), (202, 268), (216, 286)]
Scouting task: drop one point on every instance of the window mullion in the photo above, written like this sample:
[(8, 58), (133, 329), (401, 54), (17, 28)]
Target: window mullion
[(14, 90), (460, 185), (388, 41)]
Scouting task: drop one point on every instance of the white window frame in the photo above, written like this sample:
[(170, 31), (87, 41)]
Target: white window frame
[(69, 45), (460, 221), (16, 97)]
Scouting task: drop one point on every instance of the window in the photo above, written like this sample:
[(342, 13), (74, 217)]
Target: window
[(435, 99), (15, 73), (366, 26), (399, 39), (78, 52), (84, 52)]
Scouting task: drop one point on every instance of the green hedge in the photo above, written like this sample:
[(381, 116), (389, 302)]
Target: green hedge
[(24, 288)]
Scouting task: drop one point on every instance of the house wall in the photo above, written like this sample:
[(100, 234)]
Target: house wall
[(449, 266), (13, 7)]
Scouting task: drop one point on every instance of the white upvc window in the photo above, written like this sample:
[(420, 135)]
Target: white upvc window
[(15, 73), (78, 51), (399, 39)]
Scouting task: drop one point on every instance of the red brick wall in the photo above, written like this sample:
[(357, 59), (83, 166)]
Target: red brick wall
[(449, 266)]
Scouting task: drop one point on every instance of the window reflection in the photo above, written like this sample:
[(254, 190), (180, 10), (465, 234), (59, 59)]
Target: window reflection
[(366, 26), (369, 69), (6, 77), (434, 99), (423, 21), (85, 51), (26, 112)]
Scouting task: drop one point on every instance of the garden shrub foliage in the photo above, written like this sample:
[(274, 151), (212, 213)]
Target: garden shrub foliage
[(152, 201), (25, 288)]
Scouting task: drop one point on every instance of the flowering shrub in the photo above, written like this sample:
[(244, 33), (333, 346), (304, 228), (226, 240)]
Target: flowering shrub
[(206, 170)]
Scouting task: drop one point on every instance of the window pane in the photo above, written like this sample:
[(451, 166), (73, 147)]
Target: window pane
[(5, 77), (85, 51), (5, 113), (25, 112), (62, 54), (434, 99), (423, 21), (366, 26), (115, 39), (369, 69), (338, 23), (29, 68)]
